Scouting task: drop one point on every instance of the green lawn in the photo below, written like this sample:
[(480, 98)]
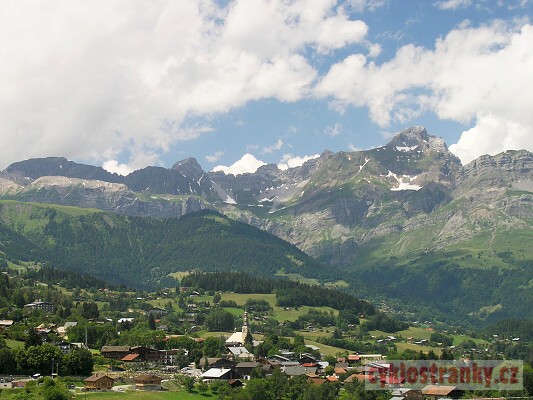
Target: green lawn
[(14, 344), (163, 395)]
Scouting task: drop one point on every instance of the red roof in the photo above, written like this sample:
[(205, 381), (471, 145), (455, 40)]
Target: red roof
[(130, 357), (354, 357), (309, 365)]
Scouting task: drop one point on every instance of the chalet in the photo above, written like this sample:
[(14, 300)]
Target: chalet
[(244, 369), (240, 353), (407, 394), (99, 382), (353, 359), (148, 382), (146, 353), (434, 392), (115, 352), (366, 358), (131, 358), (220, 363), (307, 359), (218, 374), (315, 380)]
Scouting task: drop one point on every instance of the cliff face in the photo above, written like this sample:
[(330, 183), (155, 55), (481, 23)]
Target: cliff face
[(410, 195)]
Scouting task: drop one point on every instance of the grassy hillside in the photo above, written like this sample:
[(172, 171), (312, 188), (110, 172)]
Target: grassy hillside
[(142, 252)]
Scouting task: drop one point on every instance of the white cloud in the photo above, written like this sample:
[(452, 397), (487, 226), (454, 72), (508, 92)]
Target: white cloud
[(474, 75), (270, 149), (333, 130), (363, 5), (214, 157), (291, 161), (247, 164), (90, 80), (113, 166), (452, 4)]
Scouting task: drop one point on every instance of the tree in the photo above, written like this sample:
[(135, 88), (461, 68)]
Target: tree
[(8, 364), (55, 390), (32, 339), (202, 387), (219, 320), (186, 381), (79, 362), (151, 321)]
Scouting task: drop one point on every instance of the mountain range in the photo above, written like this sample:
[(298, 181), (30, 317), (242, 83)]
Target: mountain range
[(406, 220)]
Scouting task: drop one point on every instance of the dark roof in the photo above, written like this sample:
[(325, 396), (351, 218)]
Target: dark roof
[(249, 364), (115, 348), (96, 378)]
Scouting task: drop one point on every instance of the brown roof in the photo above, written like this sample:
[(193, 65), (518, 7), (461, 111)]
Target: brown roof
[(96, 378), (115, 348), (130, 357), (318, 381), (438, 390), (339, 370), (332, 378)]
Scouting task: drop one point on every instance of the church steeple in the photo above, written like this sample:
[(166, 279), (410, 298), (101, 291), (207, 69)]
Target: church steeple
[(245, 326)]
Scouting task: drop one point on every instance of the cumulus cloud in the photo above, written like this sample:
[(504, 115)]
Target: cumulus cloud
[(247, 164), (475, 75), (214, 157), (91, 80), (452, 4), (113, 166), (291, 161), (270, 149)]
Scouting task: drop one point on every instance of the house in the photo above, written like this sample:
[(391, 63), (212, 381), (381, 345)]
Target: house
[(218, 374), (114, 352), (62, 330), (40, 305), (131, 358), (99, 382), (244, 369), (217, 362), (5, 323), (240, 353), (298, 370), (407, 394), (353, 359), (66, 347), (147, 382), (366, 358), (438, 391), (146, 353), (307, 359)]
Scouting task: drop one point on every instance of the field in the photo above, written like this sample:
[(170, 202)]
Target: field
[(141, 395)]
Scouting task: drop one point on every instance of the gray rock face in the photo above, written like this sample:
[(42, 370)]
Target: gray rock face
[(333, 207)]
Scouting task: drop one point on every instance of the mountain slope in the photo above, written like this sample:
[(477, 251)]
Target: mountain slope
[(141, 252), (391, 218)]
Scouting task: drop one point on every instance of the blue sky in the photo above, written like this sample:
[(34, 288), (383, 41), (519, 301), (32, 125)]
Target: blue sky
[(126, 85)]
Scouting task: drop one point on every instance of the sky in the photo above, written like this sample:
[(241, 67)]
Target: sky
[(240, 83)]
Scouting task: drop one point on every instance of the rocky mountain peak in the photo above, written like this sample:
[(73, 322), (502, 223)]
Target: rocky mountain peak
[(410, 137), (190, 168)]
